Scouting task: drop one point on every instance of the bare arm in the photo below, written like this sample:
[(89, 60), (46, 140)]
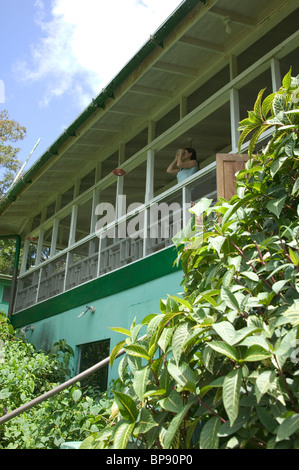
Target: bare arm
[(173, 168)]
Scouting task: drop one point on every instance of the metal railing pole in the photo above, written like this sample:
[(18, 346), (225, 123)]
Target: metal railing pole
[(60, 387)]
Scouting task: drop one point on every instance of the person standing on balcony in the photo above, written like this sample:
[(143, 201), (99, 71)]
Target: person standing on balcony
[(184, 165)]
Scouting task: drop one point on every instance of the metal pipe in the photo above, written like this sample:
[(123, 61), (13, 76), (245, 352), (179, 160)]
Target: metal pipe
[(60, 387)]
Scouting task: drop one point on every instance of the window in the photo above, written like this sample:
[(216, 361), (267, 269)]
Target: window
[(6, 294), (91, 354)]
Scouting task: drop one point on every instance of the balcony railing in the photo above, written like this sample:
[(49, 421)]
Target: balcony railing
[(151, 228)]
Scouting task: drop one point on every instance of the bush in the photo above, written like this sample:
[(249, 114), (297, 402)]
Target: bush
[(26, 374), (218, 367)]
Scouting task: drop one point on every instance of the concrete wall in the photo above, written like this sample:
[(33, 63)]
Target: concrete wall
[(116, 310)]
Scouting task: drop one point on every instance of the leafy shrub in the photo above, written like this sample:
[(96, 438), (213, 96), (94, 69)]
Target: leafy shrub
[(26, 374), (218, 367)]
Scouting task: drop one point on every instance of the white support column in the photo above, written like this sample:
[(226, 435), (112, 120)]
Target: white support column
[(54, 238), (275, 74), (95, 202), (72, 235), (39, 247), (234, 118), (150, 169), (24, 256)]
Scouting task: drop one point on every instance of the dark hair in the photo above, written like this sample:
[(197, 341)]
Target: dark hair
[(193, 153)]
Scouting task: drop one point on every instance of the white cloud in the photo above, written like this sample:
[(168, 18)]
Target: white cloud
[(85, 44)]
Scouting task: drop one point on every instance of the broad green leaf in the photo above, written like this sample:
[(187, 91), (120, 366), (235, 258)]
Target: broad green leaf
[(140, 381), (296, 185), (201, 206), (182, 302), (175, 424), (292, 314), (178, 340), (263, 383), (250, 275), (294, 257), (231, 393), (277, 286), (226, 331), (257, 340), (145, 422), (266, 419), (216, 243), (255, 353), (288, 427), (122, 367), (153, 325), (122, 435), (229, 298), (208, 357), (209, 435), (173, 402), (165, 338), (115, 351), (137, 350), (226, 429), (126, 406), (275, 206), (76, 394), (183, 375), (226, 349), (124, 331)]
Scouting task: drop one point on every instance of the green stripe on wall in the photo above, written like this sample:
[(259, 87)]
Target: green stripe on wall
[(134, 274)]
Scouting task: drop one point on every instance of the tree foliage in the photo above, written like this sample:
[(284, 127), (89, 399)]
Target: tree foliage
[(10, 132), (26, 374), (218, 366)]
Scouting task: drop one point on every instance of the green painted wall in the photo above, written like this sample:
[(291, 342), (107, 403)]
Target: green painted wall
[(116, 310), (118, 297), (3, 305)]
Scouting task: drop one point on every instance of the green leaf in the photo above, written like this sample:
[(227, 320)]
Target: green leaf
[(165, 338), (263, 383), (231, 393), (180, 335), (226, 349), (250, 275), (256, 353), (172, 402), (209, 435), (226, 331), (294, 257), (229, 298), (126, 405), (183, 375), (266, 419), (275, 206), (145, 422), (182, 302), (122, 435), (292, 313), (76, 395), (137, 351), (115, 351), (140, 381), (175, 424), (288, 427), (201, 206), (124, 331), (277, 286)]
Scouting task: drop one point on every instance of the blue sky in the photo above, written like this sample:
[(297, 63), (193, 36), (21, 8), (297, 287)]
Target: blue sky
[(57, 55)]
